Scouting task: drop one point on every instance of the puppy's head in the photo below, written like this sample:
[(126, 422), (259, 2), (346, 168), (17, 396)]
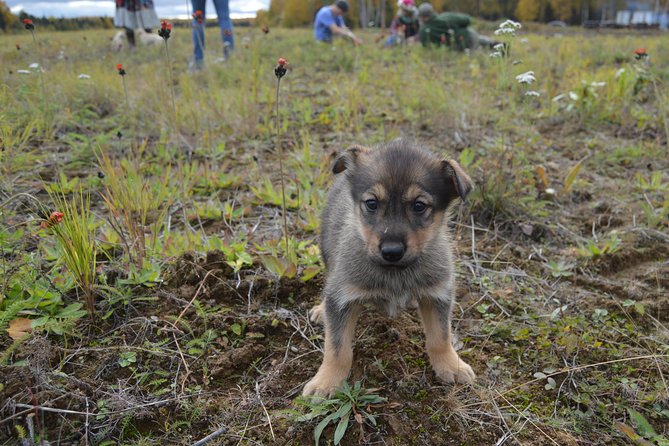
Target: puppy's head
[(401, 194)]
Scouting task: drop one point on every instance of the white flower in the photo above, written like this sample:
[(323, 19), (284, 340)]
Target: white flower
[(24, 71), (34, 66), (508, 27), (84, 76), (573, 96), (501, 31), (524, 40), (526, 78), (510, 24), (619, 72), (598, 84), (496, 54), (532, 93), (498, 47), (558, 98)]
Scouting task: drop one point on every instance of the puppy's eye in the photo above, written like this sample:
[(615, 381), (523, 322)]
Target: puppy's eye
[(419, 207), (371, 204)]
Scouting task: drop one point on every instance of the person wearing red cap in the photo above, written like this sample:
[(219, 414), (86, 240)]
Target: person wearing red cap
[(329, 22), (405, 25)]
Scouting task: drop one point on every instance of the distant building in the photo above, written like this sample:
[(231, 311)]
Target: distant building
[(638, 14)]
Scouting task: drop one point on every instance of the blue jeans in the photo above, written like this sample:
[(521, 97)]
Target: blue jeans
[(224, 23)]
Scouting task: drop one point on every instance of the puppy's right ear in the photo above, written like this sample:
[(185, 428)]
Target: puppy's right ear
[(348, 159)]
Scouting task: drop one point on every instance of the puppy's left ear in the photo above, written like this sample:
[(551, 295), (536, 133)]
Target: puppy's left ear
[(348, 159), (459, 183)]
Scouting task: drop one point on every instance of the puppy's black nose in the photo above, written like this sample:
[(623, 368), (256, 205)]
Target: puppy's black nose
[(392, 251)]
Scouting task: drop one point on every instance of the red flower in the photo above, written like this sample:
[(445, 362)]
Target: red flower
[(165, 29), (280, 70), (227, 33), (119, 68), (28, 24), (54, 219), (198, 16), (640, 53)]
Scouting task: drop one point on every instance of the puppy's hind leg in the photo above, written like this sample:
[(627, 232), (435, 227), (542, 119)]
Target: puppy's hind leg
[(340, 323), (436, 316)]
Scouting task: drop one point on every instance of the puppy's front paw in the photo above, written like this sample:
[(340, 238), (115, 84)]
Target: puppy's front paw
[(316, 314), (323, 384), (453, 369)]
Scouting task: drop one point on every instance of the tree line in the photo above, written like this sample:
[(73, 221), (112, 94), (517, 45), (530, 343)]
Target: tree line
[(11, 22), (362, 13)]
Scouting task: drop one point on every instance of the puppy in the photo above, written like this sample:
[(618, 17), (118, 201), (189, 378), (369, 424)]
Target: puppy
[(385, 241), (147, 39), (119, 42)]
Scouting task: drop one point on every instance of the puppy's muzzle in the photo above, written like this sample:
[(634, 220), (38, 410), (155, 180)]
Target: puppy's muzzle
[(392, 251)]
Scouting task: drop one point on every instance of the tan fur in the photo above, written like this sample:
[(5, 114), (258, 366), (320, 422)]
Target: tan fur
[(414, 192), (444, 359), (378, 191), (417, 240), (336, 363)]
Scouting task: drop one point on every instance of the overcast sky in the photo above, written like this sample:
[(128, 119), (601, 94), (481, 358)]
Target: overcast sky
[(164, 8)]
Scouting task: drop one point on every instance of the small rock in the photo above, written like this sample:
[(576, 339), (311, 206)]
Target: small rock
[(526, 229)]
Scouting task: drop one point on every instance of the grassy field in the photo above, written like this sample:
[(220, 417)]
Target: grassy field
[(164, 303)]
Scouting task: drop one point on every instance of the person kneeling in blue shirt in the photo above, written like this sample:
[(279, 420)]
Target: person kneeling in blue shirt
[(329, 22)]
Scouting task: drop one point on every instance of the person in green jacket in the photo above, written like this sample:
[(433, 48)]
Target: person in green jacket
[(450, 29)]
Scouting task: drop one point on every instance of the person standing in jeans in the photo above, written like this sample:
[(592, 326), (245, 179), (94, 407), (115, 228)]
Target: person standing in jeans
[(199, 22)]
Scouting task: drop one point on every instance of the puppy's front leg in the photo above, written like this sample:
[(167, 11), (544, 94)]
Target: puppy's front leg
[(340, 320), (436, 315)]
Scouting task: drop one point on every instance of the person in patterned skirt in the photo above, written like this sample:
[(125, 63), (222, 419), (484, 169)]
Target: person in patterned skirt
[(135, 14)]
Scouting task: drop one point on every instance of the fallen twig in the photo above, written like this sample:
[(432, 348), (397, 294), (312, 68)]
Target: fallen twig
[(212, 436)]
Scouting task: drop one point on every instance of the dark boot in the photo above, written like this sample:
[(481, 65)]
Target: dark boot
[(130, 34)]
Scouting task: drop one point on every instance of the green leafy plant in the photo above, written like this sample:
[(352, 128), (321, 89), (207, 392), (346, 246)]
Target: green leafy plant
[(594, 250), (305, 257), (550, 382), (236, 252), (63, 186), (126, 359), (644, 434), (61, 321), (561, 268), (350, 402), (654, 183), (148, 276)]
